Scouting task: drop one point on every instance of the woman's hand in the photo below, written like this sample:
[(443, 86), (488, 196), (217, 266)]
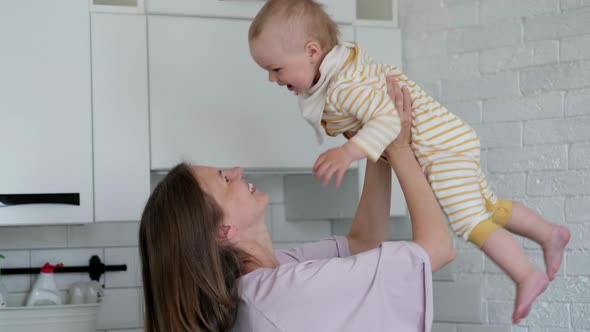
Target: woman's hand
[(403, 105), (429, 226)]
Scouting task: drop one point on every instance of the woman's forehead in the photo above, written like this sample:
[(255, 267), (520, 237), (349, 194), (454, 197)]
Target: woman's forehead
[(208, 177), (205, 172)]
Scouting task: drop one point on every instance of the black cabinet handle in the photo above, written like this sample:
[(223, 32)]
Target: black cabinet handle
[(20, 199)]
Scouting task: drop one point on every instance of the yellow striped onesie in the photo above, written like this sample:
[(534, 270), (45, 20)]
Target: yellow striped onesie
[(447, 149)]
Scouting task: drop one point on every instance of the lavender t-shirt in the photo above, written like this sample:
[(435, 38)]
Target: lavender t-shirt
[(320, 287)]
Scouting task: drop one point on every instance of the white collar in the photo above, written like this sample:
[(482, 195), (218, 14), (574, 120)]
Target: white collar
[(313, 101)]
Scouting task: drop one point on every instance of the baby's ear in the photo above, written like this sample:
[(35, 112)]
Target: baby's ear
[(313, 50)]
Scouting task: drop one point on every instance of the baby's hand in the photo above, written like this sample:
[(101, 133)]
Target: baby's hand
[(335, 160)]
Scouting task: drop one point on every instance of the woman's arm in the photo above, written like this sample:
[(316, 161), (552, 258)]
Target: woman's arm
[(370, 226), (429, 226)]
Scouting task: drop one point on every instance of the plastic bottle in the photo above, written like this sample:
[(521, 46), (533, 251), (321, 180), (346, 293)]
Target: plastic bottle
[(3, 293), (45, 290), (85, 292)]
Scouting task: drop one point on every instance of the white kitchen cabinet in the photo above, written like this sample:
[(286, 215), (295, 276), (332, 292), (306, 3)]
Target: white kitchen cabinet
[(45, 112), (343, 11), (211, 104), (120, 113)]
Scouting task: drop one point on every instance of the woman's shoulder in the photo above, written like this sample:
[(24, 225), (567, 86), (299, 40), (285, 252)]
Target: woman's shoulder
[(335, 246), (386, 278), (332, 273)]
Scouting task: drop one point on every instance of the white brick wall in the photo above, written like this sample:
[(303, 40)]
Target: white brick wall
[(525, 87)]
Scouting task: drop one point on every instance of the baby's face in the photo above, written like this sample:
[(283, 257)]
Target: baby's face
[(287, 64)]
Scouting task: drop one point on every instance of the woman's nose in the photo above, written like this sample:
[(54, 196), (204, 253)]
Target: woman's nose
[(236, 173)]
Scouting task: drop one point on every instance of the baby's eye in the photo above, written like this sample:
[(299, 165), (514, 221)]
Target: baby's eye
[(226, 179), (276, 70)]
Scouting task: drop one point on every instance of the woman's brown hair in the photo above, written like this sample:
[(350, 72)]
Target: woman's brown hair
[(189, 278)]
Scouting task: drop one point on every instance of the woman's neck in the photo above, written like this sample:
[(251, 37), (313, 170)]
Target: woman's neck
[(259, 251)]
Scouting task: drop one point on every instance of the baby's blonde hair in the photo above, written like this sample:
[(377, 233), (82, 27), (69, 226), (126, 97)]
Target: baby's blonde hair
[(306, 14)]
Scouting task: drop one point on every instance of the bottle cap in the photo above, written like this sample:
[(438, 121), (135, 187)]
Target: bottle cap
[(48, 268)]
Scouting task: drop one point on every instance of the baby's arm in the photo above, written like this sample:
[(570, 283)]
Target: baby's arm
[(337, 160), (369, 103)]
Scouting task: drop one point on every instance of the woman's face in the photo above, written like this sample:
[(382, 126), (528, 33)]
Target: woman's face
[(243, 206)]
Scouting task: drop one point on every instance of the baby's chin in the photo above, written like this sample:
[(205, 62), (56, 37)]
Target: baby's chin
[(293, 89)]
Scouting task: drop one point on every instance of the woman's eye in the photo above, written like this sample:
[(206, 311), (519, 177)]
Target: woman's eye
[(226, 179)]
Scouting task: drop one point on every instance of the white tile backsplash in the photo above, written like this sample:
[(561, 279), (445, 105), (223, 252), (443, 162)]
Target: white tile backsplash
[(129, 278), (14, 259), (120, 309), (341, 226), (400, 229), (307, 199), (103, 235), (33, 237), (288, 231), (270, 184)]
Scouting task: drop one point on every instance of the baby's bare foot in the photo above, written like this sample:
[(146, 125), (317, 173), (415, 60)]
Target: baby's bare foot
[(553, 249), (527, 292)]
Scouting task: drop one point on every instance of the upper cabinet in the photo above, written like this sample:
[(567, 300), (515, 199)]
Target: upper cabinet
[(343, 11), (79, 121), (211, 104), (120, 113), (45, 113)]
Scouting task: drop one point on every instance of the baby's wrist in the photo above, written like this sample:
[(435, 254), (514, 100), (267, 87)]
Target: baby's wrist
[(353, 151)]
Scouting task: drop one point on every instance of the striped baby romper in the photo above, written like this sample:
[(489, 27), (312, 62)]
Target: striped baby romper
[(447, 148)]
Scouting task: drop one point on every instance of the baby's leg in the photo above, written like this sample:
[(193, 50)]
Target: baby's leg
[(457, 184), (501, 248), (523, 221), (551, 237)]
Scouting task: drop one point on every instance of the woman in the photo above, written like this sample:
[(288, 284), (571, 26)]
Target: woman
[(209, 265)]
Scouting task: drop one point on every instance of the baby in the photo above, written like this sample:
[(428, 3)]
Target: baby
[(342, 91)]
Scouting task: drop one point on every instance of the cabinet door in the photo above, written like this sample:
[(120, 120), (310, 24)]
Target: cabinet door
[(211, 104), (342, 11), (45, 112), (384, 45), (121, 119)]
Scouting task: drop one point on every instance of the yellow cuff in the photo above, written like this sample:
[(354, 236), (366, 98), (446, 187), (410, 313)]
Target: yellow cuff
[(480, 233), (502, 212)]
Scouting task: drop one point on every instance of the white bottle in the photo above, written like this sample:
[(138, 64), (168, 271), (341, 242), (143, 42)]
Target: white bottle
[(45, 290)]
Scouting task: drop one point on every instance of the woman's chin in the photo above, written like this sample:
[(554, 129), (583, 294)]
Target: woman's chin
[(262, 198)]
